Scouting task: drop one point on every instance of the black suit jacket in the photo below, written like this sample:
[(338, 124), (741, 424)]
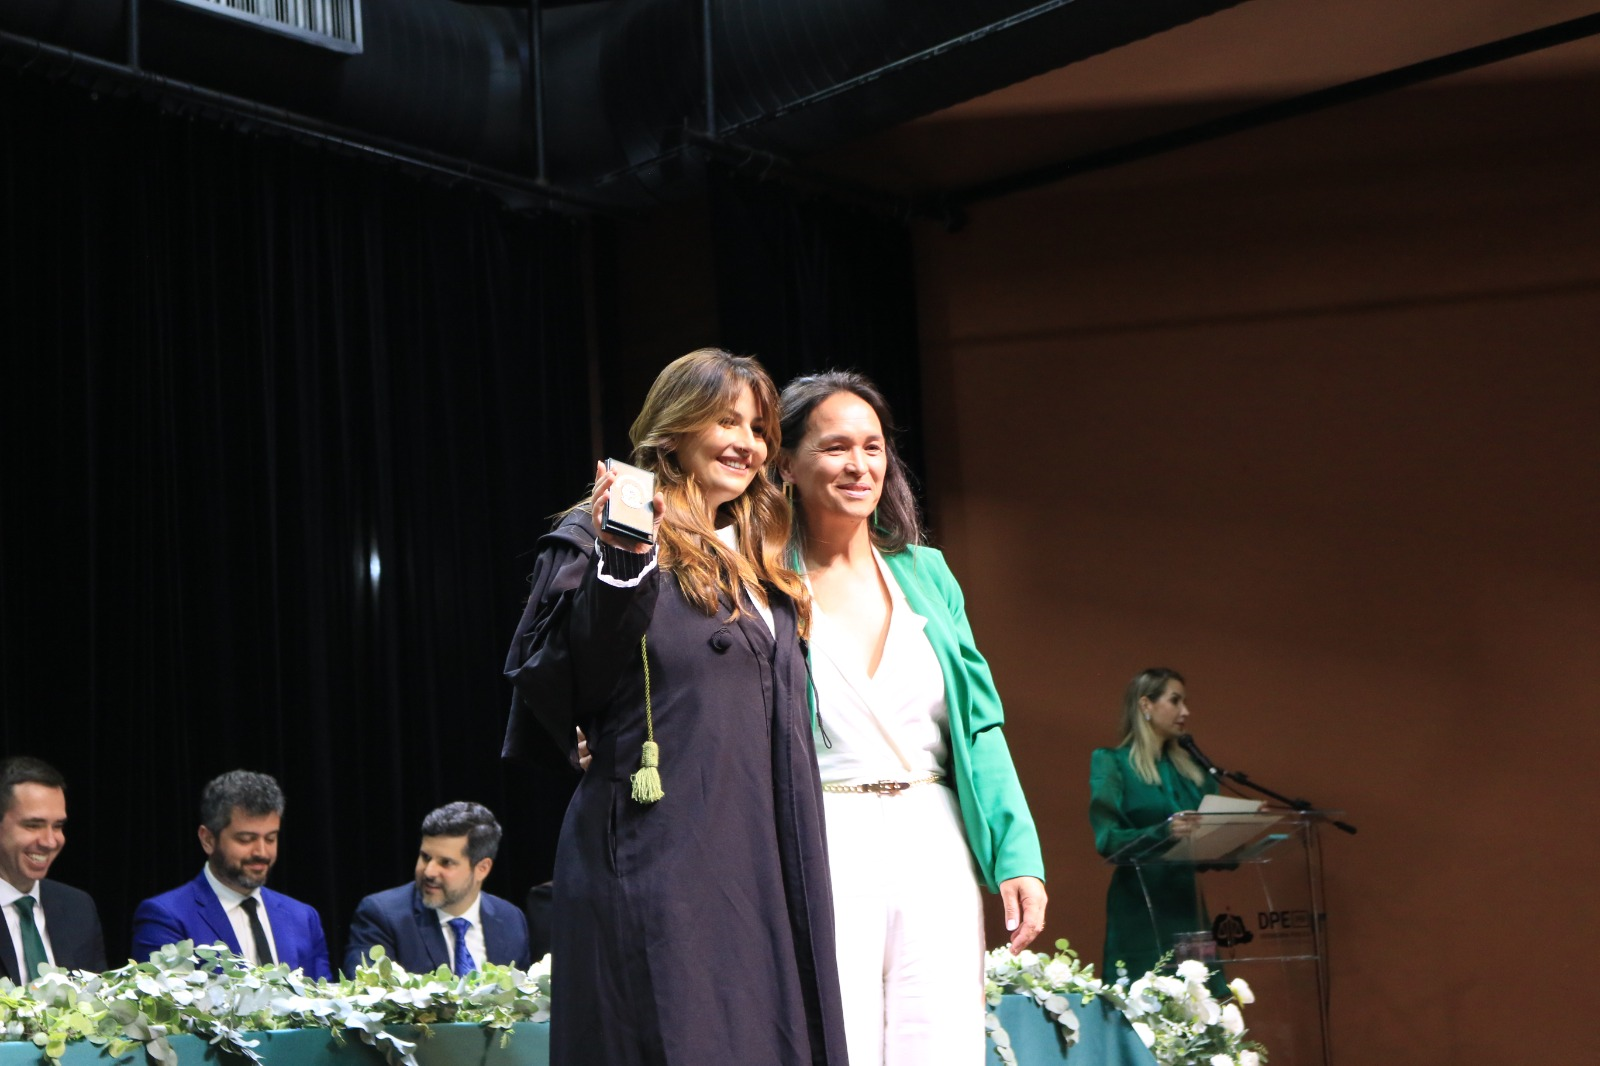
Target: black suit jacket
[(73, 924), (409, 931)]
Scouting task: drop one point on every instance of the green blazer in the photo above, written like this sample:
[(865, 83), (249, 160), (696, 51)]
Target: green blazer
[(999, 828)]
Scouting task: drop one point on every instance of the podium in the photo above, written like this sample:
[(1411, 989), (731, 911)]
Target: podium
[(1258, 914)]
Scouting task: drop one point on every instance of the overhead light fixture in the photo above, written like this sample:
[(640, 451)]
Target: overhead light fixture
[(331, 24)]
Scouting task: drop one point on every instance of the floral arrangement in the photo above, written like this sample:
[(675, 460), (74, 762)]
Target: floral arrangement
[(1176, 1017), (213, 994)]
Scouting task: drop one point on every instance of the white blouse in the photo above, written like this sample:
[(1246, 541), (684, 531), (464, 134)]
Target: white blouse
[(890, 726)]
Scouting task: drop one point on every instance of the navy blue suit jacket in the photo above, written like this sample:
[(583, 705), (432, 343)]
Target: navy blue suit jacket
[(410, 934), (73, 923), (193, 912)]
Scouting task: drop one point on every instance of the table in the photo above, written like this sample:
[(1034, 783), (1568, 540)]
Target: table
[(1106, 1040), (1104, 1036)]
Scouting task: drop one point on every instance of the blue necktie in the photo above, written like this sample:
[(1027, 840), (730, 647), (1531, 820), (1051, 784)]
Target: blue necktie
[(464, 963)]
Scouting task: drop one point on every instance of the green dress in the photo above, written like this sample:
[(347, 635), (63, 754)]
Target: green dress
[(1123, 808)]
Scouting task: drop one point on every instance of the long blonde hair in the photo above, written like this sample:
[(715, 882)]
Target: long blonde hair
[(1147, 748), (689, 395)]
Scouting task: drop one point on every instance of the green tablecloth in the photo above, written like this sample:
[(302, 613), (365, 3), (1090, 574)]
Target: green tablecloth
[(1106, 1040), (1104, 1036), (449, 1045)]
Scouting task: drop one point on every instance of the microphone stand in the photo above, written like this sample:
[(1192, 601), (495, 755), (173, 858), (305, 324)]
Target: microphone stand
[(1187, 743), (1297, 804)]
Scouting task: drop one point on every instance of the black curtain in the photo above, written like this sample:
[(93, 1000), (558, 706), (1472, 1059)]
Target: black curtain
[(808, 283), (279, 428)]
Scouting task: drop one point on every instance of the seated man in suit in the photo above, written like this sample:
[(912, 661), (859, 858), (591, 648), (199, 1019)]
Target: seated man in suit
[(444, 918), (240, 816), (46, 921)]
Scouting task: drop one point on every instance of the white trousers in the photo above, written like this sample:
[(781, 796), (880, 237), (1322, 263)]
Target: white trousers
[(909, 918)]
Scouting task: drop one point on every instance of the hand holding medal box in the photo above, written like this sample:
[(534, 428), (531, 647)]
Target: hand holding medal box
[(628, 510)]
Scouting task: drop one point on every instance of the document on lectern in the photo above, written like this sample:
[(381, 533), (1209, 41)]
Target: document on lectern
[(1229, 824), (1228, 805)]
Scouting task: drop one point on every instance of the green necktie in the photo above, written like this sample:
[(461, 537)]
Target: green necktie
[(33, 953)]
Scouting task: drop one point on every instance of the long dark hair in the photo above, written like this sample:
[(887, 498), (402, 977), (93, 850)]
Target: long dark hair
[(897, 522)]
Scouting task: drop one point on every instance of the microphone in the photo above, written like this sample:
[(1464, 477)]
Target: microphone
[(1186, 742)]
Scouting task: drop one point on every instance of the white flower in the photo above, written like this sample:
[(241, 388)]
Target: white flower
[(1241, 991), (1168, 986), (1232, 1020), (1141, 998), (1027, 959), (1145, 1034), (1222, 1060), (1001, 964), (1193, 970), (1249, 1058), (1058, 972)]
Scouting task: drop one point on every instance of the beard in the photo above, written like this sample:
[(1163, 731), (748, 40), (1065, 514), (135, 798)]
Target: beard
[(242, 876), (447, 898)]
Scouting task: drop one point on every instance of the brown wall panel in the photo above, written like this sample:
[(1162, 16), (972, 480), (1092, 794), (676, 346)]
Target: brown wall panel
[(1316, 427)]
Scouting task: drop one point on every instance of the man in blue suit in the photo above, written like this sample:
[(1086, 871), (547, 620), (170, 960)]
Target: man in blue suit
[(444, 918), (45, 921), (240, 816)]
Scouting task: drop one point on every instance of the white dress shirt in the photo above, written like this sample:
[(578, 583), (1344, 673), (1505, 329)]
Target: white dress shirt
[(9, 894), (231, 900), (898, 712), (475, 945)]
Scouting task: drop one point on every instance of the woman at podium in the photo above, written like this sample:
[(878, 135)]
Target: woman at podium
[(1135, 790)]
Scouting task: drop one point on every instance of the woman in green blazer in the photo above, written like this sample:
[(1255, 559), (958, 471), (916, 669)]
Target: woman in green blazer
[(921, 797), (1140, 791)]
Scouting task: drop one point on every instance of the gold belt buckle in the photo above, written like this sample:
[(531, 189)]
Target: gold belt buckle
[(885, 788)]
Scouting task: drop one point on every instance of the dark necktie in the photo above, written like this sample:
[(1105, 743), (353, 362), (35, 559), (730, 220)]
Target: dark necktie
[(33, 953), (258, 932), (464, 963)]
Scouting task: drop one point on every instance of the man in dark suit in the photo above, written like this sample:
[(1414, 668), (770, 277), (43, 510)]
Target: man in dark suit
[(46, 921), (240, 816), (444, 918)]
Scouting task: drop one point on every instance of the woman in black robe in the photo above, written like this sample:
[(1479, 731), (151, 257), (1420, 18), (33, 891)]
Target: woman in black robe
[(698, 927)]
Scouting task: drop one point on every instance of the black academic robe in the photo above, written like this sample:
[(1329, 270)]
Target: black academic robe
[(698, 929)]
